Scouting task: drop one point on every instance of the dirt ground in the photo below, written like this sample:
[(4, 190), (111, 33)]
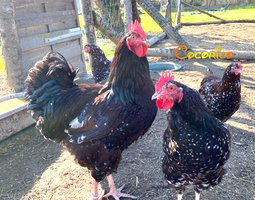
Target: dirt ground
[(35, 168)]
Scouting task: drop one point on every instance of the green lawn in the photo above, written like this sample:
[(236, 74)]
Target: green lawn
[(2, 69), (237, 14)]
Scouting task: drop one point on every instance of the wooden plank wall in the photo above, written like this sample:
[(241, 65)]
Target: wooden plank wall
[(40, 20)]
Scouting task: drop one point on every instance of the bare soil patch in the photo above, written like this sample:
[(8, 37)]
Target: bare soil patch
[(35, 168)]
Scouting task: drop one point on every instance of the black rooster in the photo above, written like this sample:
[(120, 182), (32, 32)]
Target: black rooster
[(96, 123), (100, 65), (196, 145), (223, 95)]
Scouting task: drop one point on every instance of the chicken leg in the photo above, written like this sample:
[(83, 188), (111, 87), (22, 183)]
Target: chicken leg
[(179, 196), (114, 192), (94, 191), (197, 194)]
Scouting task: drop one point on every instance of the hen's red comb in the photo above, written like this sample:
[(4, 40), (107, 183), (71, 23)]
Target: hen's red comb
[(163, 79), (137, 28)]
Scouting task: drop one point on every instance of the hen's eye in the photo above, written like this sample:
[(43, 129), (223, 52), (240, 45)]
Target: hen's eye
[(171, 88)]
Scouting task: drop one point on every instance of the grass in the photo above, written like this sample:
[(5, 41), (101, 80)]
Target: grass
[(236, 14), (2, 66)]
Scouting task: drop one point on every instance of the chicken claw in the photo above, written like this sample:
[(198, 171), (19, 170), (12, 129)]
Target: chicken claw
[(116, 193)]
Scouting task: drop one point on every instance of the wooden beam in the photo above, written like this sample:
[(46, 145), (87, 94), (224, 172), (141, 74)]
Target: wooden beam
[(217, 22), (202, 11), (46, 39), (40, 1), (162, 22), (178, 26), (45, 18), (162, 52), (107, 29), (156, 39)]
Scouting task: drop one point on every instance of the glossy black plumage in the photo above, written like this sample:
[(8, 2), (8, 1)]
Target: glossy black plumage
[(222, 95), (96, 123), (196, 145)]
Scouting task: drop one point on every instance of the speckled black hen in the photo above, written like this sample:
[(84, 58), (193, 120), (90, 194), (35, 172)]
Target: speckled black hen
[(95, 122), (223, 95), (100, 65), (196, 145)]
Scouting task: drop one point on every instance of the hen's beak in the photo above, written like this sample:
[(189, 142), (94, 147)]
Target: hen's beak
[(156, 95), (86, 49), (240, 70)]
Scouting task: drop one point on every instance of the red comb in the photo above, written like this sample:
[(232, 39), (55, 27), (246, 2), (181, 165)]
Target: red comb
[(163, 79), (136, 28)]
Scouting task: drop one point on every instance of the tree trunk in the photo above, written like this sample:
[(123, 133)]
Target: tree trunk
[(88, 22), (162, 22), (135, 14), (127, 13), (11, 48), (169, 12), (178, 12)]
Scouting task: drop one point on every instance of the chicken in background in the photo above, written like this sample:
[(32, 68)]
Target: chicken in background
[(95, 122), (100, 65), (196, 145), (223, 95)]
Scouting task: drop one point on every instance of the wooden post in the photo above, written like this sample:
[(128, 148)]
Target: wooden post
[(169, 12), (162, 22), (178, 13), (135, 14), (11, 48), (127, 14), (88, 22), (89, 25)]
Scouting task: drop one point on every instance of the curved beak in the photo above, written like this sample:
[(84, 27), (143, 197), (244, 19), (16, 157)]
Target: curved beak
[(156, 95), (86, 49)]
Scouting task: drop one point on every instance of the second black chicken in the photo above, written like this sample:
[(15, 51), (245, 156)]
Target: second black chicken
[(100, 65), (196, 145)]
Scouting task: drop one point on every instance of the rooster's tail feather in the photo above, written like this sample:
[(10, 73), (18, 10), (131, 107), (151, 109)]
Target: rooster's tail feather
[(46, 81)]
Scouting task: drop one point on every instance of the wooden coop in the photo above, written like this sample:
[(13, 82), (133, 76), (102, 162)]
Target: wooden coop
[(31, 28)]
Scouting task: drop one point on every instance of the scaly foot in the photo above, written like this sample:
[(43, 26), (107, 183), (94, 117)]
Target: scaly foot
[(116, 193)]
